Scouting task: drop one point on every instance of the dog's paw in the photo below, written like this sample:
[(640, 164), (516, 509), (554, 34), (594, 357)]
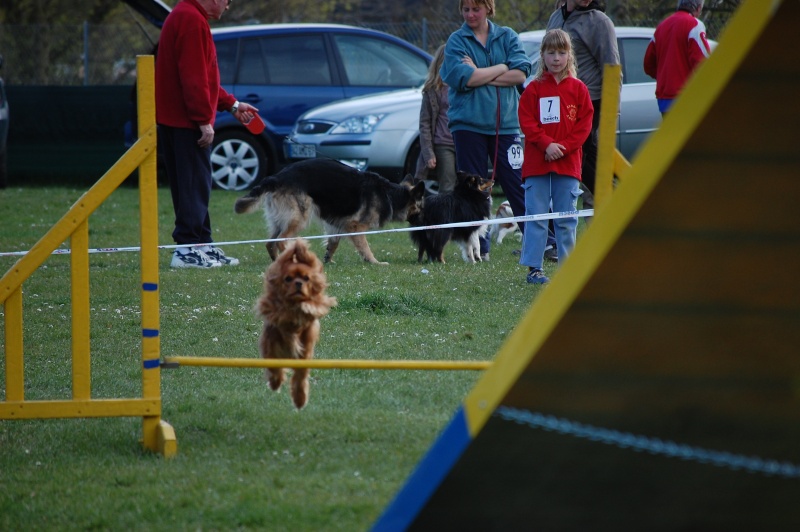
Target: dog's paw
[(300, 393), (274, 379)]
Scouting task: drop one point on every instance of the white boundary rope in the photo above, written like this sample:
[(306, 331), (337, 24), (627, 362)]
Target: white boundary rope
[(493, 221)]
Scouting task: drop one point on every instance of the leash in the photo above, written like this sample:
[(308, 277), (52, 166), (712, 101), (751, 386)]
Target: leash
[(496, 138)]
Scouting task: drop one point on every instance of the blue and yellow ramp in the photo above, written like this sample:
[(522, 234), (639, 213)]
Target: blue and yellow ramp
[(655, 383)]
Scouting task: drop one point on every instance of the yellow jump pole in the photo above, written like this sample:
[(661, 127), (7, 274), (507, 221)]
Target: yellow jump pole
[(609, 112), (158, 435), (326, 364)]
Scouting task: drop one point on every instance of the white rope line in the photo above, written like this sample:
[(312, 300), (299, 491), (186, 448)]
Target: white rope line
[(493, 221)]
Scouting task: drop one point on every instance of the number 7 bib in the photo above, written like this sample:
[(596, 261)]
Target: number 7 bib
[(550, 110)]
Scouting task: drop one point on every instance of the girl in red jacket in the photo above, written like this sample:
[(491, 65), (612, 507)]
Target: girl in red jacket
[(555, 114)]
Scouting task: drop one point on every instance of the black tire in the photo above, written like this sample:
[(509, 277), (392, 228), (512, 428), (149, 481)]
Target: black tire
[(238, 160)]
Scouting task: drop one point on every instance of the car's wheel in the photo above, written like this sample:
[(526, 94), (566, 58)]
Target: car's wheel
[(237, 160)]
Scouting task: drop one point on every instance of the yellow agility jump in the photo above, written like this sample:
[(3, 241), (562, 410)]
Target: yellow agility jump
[(218, 362)]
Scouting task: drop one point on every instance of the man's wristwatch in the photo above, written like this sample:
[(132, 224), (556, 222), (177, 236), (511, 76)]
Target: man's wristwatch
[(235, 107)]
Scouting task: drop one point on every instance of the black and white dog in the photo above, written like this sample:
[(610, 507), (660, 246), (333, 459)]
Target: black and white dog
[(469, 201)]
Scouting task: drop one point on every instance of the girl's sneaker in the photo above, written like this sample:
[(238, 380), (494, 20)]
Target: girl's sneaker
[(537, 276)]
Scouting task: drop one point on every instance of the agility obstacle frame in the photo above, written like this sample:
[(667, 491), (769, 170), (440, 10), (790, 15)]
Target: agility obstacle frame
[(158, 436)]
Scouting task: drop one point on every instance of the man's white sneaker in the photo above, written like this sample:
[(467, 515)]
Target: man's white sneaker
[(216, 254), (193, 259)]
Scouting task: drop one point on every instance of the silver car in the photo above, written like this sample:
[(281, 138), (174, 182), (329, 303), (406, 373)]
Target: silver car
[(381, 132)]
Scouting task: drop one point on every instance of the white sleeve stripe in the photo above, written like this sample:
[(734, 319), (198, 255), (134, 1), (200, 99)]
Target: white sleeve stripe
[(698, 34)]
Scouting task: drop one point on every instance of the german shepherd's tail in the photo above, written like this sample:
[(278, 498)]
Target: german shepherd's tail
[(252, 200)]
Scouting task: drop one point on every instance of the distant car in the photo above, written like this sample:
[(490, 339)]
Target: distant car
[(286, 69), (378, 132), (3, 132), (381, 132)]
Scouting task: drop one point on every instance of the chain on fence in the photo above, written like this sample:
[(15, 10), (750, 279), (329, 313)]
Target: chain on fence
[(106, 54)]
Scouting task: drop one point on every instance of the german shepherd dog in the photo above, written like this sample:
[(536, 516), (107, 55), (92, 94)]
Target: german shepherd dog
[(469, 201), (344, 199)]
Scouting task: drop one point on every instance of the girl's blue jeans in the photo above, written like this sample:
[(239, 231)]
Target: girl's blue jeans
[(540, 191)]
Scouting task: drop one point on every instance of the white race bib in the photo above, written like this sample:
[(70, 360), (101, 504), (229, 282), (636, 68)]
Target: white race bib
[(515, 156), (550, 110)]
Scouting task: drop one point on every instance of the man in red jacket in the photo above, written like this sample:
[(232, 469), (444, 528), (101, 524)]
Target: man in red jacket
[(188, 96), (678, 46)]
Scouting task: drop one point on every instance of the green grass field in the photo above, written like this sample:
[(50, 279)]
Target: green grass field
[(246, 458)]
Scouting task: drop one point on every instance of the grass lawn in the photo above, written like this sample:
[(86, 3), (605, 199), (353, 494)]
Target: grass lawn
[(246, 458)]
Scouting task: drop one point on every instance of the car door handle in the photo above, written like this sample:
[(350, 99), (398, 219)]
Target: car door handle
[(251, 98)]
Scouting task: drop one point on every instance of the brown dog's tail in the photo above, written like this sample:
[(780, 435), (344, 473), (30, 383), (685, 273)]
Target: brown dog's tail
[(252, 200), (246, 204)]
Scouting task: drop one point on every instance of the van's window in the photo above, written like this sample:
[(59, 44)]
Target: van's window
[(374, 62), (252, 66), (285, 60), (226, 59)]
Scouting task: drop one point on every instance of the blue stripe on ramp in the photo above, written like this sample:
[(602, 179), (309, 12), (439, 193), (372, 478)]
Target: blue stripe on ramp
[(430, 472)]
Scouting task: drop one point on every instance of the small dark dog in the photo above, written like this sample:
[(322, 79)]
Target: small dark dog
[(346, 200), (291, 305), (469, 201)]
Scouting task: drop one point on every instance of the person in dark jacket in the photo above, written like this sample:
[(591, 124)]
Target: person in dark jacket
[(437, 152)]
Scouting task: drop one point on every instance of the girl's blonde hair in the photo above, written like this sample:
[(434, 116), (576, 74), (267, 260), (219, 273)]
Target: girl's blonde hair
[(434, 80), (557, 40)]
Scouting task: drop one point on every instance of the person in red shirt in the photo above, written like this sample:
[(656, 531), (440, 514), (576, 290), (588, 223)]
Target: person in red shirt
[(188, 96), (555, 114), (676, 49)]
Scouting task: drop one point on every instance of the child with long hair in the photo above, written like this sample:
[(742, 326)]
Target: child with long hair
[(437, 151), (555, 114)]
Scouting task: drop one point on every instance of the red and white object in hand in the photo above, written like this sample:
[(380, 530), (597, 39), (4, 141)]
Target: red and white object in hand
[(255, 125)]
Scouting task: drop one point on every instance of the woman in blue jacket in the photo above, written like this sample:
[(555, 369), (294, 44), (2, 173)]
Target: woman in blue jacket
[(483, 65)]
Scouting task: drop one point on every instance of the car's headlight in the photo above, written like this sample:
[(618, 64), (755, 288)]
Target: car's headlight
[(358, 124)]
